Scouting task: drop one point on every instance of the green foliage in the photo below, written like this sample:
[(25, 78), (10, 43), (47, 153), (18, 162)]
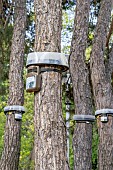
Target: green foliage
[(27, 134), (5, 48), (3, 100), (88, 52), (4, 88), (67, 28)]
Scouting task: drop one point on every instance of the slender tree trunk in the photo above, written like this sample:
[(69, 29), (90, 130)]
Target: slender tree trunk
[(82, 139), (10, 156), (101, 81), (50, 139)]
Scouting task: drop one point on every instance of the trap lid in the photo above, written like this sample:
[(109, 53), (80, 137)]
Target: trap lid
[(48, 58), (14, 108)]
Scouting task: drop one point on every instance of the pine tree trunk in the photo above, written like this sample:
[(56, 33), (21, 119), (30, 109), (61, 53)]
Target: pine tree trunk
[(102, 89), (50, 139), (11, 152), (82, 138)]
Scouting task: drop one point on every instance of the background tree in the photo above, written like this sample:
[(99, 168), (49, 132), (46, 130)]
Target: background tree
[(10, 156), (50, 140), (82, 138), (101, 81)]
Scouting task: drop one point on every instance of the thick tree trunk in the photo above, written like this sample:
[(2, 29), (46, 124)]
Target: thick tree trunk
[(82, 139), (50, 139), (101, 81), (10, 156)]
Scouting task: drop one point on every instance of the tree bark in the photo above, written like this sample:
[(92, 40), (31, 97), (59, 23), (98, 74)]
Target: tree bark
[(82, 138), (11, 152), (50, 132), (102, 89)]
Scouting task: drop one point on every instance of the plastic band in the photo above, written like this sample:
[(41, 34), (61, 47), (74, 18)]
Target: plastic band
[(84, 118), (49, 70), (104, 112), (48, 58), (14, 108)]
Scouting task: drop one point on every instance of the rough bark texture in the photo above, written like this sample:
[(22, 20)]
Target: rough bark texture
[(82, 146), (102, 89), (48, 25), (100, 81), (50, 140), (82, 139), (10, 156)]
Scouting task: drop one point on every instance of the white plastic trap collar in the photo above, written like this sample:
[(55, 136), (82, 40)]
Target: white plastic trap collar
[(103, 112), (84, 118), (48, 58), (14, 108)]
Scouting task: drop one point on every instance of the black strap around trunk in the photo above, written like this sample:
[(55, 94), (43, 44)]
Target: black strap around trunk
[(43, 69)]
